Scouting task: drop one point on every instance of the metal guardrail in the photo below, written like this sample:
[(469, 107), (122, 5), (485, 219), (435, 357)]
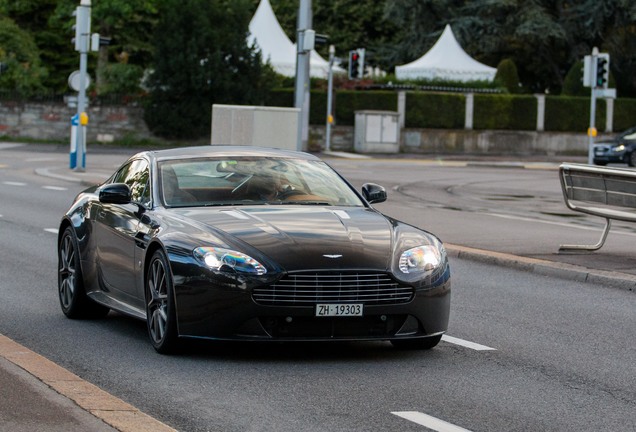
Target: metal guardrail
[(609, 193)]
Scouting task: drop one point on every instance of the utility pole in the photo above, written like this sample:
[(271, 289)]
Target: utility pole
[(304, 44)]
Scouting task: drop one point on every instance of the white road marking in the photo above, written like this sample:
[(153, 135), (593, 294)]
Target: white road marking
[(429, 421), (41, 159), (55, 188), (51, 230), (561, 224), (10, 183), (467, 344)]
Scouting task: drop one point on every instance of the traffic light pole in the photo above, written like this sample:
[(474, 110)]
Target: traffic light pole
[(82, 43), (591, 132), (332, 53)]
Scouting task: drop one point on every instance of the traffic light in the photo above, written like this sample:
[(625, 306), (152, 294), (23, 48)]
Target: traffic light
[(354, 64), (602, 71), (82, 26)]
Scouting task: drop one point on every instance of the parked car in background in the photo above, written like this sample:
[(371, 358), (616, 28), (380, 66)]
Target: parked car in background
[(620, 149), (252, 244)]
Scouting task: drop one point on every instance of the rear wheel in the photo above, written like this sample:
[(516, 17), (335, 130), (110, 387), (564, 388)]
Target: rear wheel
[(420, 343), (160, 313), (73, 299)]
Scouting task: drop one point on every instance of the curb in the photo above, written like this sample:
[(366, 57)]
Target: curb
[(111, 410), (622, 281)]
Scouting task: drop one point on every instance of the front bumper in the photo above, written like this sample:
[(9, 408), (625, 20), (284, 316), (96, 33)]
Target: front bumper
[(225, 313), (604, 154)]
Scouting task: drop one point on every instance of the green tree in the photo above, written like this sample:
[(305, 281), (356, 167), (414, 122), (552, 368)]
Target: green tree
[(201, 58), (19, 56), (34, 17)]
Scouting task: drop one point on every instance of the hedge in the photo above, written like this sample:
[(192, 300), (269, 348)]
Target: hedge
[(435, 110), (505, 112), (447, 110)]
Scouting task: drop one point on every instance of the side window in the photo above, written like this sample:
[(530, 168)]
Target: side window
[(137, 176)]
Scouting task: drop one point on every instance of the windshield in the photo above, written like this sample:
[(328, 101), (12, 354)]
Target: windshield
[(252, 181)]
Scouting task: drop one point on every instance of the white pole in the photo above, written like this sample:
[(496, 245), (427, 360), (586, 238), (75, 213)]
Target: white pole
[(591, 131), (84, 24), (332, 53), (302, 74)]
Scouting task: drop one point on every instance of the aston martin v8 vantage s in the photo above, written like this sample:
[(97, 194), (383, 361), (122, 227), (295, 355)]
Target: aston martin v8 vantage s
[(254, 244)]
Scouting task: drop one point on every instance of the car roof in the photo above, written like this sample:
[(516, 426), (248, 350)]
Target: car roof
[(227, 151)]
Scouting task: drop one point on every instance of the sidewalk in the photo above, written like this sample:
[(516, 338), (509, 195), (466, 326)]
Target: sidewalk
[(44, 396)]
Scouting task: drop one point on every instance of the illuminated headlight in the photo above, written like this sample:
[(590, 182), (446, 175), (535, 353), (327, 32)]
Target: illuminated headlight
[(421, 258), (619, 148), (216, 258)]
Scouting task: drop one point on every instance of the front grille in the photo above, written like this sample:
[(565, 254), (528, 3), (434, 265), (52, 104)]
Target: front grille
[(303, 289)]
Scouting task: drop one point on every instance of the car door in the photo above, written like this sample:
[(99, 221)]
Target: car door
[(116, 230)]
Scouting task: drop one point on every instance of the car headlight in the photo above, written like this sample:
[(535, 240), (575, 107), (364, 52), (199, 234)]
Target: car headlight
[(421, 258), (217, 258), (619, 148)]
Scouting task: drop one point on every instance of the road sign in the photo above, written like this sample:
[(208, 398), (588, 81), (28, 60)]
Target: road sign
[(74, 81)]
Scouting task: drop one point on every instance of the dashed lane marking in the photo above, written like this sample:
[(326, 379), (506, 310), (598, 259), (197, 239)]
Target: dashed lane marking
[(51, 230), (55, 188), (466, 344), (10, 183), (429, 421)]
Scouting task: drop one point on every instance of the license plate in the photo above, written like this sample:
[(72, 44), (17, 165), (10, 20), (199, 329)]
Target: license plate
[(339, 310)]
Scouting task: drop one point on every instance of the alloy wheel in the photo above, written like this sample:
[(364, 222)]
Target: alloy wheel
[(157, 301), (67, 272)]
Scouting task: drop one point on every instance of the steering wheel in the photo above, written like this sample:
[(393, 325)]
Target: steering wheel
[(287, 192)]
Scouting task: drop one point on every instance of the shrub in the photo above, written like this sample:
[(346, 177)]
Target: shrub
[(507, 76)]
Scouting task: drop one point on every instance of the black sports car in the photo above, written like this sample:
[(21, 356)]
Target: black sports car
[(620, 149), (245, 243)]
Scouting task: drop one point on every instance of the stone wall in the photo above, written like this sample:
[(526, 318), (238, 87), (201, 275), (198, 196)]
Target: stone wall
[(52, 121), (445, 141)]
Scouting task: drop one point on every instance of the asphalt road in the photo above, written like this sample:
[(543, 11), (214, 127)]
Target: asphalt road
[(552, 354)]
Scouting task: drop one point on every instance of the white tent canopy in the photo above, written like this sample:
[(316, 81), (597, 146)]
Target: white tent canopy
[(276, 47), (446, 60)]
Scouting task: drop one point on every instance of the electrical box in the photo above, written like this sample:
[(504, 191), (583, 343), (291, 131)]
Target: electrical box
[(377, 132)]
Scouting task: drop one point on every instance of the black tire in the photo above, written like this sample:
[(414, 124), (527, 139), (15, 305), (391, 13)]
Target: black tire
[(70, 284), (424, 343), (160, 308), (631, 159)]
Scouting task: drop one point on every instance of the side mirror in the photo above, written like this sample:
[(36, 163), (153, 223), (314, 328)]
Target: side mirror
[(115, 193), (373, 193)]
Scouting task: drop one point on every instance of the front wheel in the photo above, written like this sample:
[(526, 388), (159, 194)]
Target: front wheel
[(424, 343), (160, 313), (73, 299), (631, 159)]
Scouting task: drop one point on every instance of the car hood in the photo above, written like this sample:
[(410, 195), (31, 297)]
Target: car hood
[(302, 237)]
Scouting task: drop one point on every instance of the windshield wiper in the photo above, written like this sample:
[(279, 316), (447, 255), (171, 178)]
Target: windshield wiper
[(319, 203)]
